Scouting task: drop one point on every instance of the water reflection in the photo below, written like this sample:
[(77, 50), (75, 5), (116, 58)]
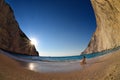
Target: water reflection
[(53, 66), (31, 66), (39, 66)]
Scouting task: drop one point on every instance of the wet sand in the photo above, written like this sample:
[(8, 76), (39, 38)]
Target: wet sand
[(103, 68)]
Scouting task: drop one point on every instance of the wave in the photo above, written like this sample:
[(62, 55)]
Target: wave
[(57, 59)]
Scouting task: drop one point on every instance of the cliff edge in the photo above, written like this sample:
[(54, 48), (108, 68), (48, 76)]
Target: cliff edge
[(107, 34), (11, 37)]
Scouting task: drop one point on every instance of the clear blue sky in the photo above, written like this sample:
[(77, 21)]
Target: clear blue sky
[(61, 27)]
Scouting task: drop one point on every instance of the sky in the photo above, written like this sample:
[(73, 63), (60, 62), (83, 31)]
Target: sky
[(60, 27)]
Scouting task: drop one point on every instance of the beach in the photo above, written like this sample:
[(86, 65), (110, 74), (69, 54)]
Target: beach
[(104, 68)]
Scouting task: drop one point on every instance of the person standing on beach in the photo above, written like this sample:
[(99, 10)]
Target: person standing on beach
[(83, 60)]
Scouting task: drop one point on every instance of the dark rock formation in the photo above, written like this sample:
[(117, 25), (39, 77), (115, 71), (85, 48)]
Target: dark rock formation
[(11, 37), (107, 34)]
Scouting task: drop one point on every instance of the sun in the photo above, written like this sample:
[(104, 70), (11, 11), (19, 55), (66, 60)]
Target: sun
[(33, 41)]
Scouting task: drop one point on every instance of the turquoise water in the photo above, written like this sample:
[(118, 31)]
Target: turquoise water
[(56, 64), (67, 58)]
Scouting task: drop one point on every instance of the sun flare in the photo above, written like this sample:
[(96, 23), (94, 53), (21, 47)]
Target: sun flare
[(33, 41)]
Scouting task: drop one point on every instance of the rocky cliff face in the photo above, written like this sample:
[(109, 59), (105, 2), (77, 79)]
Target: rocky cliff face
[(107, 34), (11, 36)]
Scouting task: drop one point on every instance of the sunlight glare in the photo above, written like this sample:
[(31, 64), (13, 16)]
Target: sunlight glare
[(33, 41), (31, 66)]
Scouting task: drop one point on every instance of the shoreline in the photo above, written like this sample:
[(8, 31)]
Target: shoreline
[(105, 68), (52, 66)]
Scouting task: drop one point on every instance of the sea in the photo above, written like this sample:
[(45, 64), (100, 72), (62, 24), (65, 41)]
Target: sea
[(57, 64), (65, 58)]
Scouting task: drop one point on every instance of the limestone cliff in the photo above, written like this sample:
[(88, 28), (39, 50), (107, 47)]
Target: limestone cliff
[(107, 34), (11, 37)]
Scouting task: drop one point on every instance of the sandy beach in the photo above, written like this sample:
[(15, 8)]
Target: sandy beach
[(104, 68)]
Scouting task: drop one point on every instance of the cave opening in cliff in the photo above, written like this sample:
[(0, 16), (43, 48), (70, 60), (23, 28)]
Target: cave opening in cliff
[(62, 27)]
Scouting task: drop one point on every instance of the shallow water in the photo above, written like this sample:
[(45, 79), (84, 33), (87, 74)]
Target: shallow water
[(56, 64), (43, 67)]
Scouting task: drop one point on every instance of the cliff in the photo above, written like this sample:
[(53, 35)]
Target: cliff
[(107, 34), (11, 37)]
